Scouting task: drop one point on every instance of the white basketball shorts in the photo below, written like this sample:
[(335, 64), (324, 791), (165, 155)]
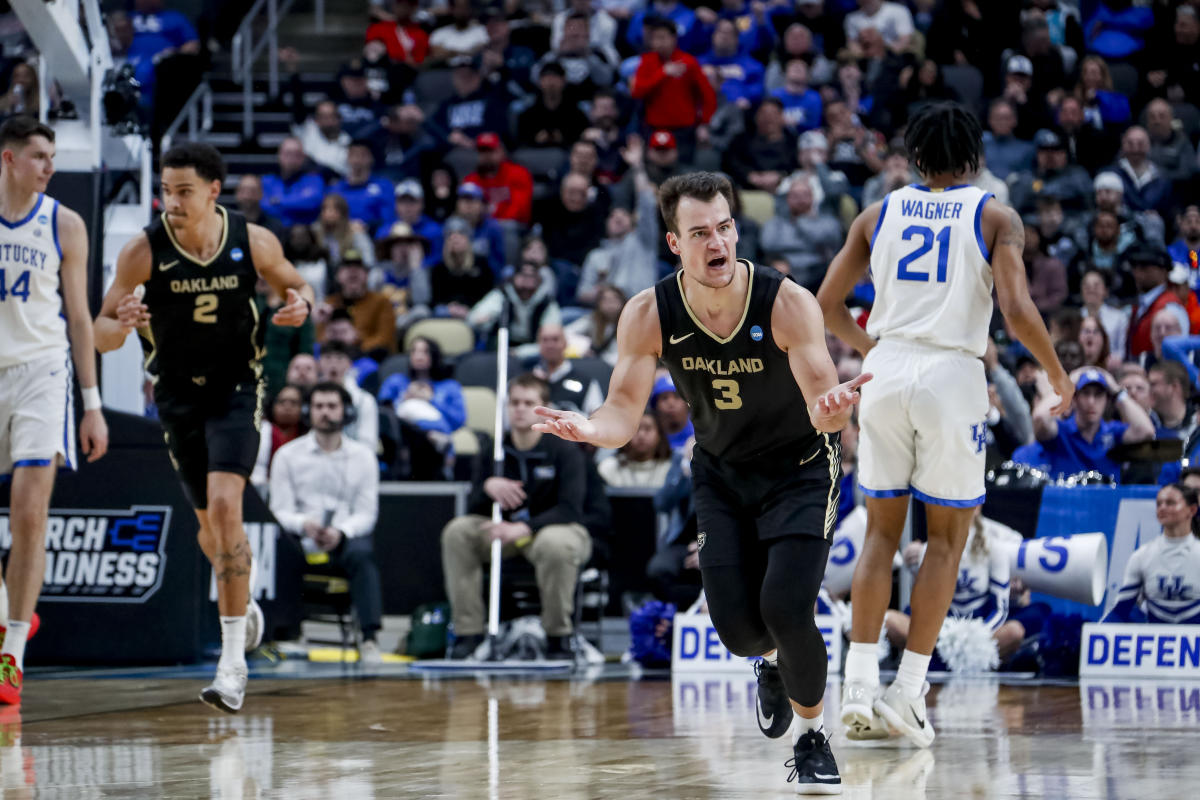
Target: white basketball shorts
[(37, 418), (923, 424)]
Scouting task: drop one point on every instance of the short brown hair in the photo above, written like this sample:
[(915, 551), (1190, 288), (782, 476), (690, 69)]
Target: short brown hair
[(18, 130), (1176, 373), (703, 186), (528, 380)]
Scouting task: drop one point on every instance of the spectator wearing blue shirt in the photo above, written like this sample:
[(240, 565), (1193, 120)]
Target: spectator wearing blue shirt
[(1005, 153), (1186, 249), (409, 207), (429, 406), (157, 33), (487, 238), (1082, 441), (741, 75), (294, 195), (1117, 29), (686, 24), (371, 198), (1146, 187), (672, 411), (756, 34), (801, 104)]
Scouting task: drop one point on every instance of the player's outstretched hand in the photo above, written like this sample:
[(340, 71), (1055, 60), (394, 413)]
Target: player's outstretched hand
[(294, 311), (829, 406), (1064, 387), (132, 312), (93, 435), (565, 424)]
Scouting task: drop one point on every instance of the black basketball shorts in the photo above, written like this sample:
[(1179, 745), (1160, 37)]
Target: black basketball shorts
[(740, 506), (210, 428)]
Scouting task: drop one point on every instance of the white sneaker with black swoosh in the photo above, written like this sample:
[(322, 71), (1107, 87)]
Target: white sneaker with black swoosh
[(906, 715)]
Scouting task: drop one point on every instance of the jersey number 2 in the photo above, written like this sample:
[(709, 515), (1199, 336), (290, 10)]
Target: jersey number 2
[(927, 238), (19, 288), (206, 308)]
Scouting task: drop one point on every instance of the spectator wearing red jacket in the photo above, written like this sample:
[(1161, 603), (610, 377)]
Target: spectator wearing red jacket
[(507, 186), (407, 42), (676, 95)]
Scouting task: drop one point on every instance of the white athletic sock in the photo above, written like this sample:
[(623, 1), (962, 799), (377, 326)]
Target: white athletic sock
[(233, 641), (14, 642), (3, 600), (862, 663), (911, 674), (803, 725), (773, 659)]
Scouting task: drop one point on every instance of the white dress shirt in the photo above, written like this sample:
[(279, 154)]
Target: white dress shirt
[(310, 484)]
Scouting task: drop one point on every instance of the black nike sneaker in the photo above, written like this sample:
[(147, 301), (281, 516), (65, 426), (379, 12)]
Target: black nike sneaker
[(813, 767), (773, 708)]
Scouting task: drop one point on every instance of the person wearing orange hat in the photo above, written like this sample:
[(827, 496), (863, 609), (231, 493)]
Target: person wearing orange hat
[(507, 186)]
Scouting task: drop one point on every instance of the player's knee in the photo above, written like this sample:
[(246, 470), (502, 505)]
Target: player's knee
[(224, 513), (788, 612)]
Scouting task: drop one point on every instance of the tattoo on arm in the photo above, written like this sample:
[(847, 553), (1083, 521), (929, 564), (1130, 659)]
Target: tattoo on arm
[(236, 564), (1015, 233)]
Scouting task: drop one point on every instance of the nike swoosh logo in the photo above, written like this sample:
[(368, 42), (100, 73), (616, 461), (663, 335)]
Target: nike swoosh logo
[(816, 453), (821, 776), (673, 340), (920, 721), (167, 266)]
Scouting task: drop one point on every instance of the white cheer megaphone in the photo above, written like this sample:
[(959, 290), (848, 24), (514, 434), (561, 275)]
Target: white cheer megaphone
[(1071, 567)]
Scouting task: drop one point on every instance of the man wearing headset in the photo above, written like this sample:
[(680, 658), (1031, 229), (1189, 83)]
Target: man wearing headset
[(325, 489)]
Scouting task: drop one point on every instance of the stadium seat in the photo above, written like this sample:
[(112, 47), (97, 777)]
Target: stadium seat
[(479, 369), (431, 87), (596, 369), (481, 408), (966, 82), (454, 336), (1125, 78), (546, 164), (465, 442), (392, 365), (462, 160), (757, 205)]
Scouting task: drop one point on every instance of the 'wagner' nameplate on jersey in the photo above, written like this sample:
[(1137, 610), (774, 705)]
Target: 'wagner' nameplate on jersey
[(102, 556)]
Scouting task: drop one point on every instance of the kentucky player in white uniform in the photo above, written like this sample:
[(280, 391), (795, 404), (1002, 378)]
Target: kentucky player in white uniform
[(43, 311), (934, 251)]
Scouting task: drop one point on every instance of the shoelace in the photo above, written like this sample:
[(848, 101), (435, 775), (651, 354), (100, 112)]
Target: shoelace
[(796, 761), (9, 674)]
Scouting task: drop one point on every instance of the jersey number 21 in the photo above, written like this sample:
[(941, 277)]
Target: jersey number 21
[(927, 237)]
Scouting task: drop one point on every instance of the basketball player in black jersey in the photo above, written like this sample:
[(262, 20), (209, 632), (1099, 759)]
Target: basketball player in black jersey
[(200, 329), (746, 349)]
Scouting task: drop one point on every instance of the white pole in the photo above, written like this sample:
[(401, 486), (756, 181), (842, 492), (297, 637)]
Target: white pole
[(498, 470)]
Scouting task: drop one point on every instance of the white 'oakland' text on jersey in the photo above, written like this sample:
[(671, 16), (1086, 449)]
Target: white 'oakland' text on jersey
[(931, 269), (32, 324)]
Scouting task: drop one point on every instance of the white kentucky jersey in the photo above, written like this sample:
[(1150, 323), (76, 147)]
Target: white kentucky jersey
[(32, 323), (1164, 575), (931, 268)]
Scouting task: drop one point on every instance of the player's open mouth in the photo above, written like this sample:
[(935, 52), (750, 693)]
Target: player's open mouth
[(717, 263)]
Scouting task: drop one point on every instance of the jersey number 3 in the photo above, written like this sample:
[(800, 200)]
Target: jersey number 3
[(729, 399), (206, 308), (927, 239)]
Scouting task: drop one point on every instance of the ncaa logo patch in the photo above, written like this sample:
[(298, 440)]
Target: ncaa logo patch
[(43, 219), (756, 333), (102, 555), (236, 254)]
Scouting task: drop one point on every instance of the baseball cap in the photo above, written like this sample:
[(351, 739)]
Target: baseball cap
[(1020, 65), (663, 385), (457, 225), (352, 258), (470, 190), (410, 188), (1108, 180), (553, 68), (1046, 139), (487, 141), (1148, 257), (662, 140), (1179, 275), (1088, 377), (353, 69)]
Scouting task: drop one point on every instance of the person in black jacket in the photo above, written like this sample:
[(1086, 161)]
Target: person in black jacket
[(542, 493)]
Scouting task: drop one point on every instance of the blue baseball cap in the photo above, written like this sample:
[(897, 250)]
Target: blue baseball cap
[(470, 189), (1088, 377), (661, 386)]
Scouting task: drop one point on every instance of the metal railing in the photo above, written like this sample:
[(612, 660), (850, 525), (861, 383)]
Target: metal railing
[(246, 50), (197, 113)]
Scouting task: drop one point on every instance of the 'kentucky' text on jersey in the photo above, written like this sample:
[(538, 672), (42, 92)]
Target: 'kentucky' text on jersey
[(32, 325), (745, 401), (204, 324)]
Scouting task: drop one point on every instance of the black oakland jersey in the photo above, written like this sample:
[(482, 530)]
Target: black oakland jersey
[(204, 324), (744, 399)]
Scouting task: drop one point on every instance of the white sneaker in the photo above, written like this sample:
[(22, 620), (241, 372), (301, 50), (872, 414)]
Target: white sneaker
[(228, 689), (906, 715), (863, 725), (255, 626), (369, 654)]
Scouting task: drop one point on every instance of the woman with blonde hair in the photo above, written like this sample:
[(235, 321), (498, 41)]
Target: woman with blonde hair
[(337, 235), (1101, 105), (595, 334), (23, 95)]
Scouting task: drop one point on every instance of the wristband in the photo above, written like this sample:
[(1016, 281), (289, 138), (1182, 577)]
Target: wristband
[(91, 398), (523, 541), (305, 299), (1121, 395)]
